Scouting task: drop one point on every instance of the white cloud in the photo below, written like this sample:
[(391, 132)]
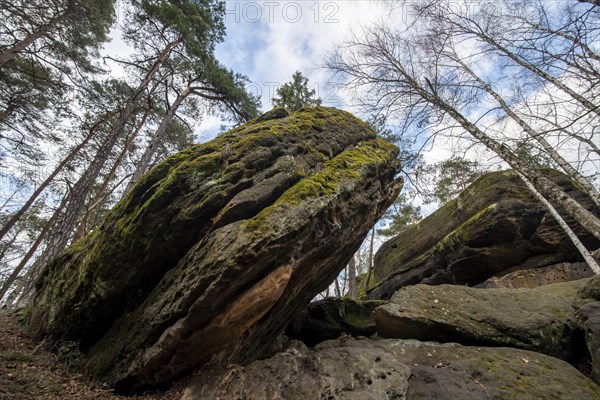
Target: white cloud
[(269, 40)]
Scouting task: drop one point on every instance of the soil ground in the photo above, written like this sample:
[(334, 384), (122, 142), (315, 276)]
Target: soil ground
[(28, 371)]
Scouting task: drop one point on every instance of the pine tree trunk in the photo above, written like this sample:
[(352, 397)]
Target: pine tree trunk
[(42, 235), (9, 53), (6, 247), (84, 225), (157, 139), (17, 216), (352, 278), (60, 236), (370, 264)]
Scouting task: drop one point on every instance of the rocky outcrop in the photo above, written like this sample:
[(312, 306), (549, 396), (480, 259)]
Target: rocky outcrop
[(530, 278), (218, 247), (331, 318), (590, 320), (520, 318), (395, 369), (494, 227), (588, 301)]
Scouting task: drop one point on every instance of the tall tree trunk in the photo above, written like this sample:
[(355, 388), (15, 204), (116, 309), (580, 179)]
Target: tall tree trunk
[(84, 225), (59, 237), (544, 185), (42, 235), (370, 263), (15, 218), (157, 139), (564, 164), (6, 247), (352, 278), (565, 227)]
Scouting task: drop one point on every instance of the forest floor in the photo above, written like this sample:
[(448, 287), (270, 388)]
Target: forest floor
[(30, 372)]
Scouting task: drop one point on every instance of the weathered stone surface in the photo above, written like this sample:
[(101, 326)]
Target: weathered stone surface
[(590, 316), (218, 247), (567, 290), (494, 227), (530, 278), (588, 302), (522, 318), (396, 369), (330, 318), (590, 291)]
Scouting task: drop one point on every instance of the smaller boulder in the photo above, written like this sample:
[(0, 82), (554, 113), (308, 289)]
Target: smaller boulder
[(492, 228), (330, 318), (521, 318)]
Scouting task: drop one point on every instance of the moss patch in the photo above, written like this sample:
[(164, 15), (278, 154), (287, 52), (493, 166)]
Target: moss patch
[(346, 167)]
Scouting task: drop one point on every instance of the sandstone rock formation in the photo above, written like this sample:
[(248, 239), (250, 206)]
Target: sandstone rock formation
[(530, 278), (494, 227), (521, 318), (396, 369), (588, 302), (218, 247), (331, 318)]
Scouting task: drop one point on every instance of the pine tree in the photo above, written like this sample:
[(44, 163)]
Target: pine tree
[(295, 94)]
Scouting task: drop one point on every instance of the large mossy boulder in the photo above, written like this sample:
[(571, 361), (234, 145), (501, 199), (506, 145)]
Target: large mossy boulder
[(218, 247), (494, 227), (396, 369)]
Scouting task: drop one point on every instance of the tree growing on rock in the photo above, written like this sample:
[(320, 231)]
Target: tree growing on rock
[(296, 94), (451, 177)]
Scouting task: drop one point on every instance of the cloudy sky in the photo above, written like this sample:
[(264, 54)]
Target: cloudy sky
[(269, 40)]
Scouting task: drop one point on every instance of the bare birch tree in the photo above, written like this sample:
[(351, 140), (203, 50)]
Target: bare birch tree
[(420, 78)]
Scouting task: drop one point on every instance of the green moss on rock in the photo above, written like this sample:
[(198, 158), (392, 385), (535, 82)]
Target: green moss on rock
[(529, 319), (495, 226), (275, 199)]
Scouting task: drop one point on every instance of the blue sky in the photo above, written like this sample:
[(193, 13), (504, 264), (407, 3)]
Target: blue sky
[(269, 40)]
